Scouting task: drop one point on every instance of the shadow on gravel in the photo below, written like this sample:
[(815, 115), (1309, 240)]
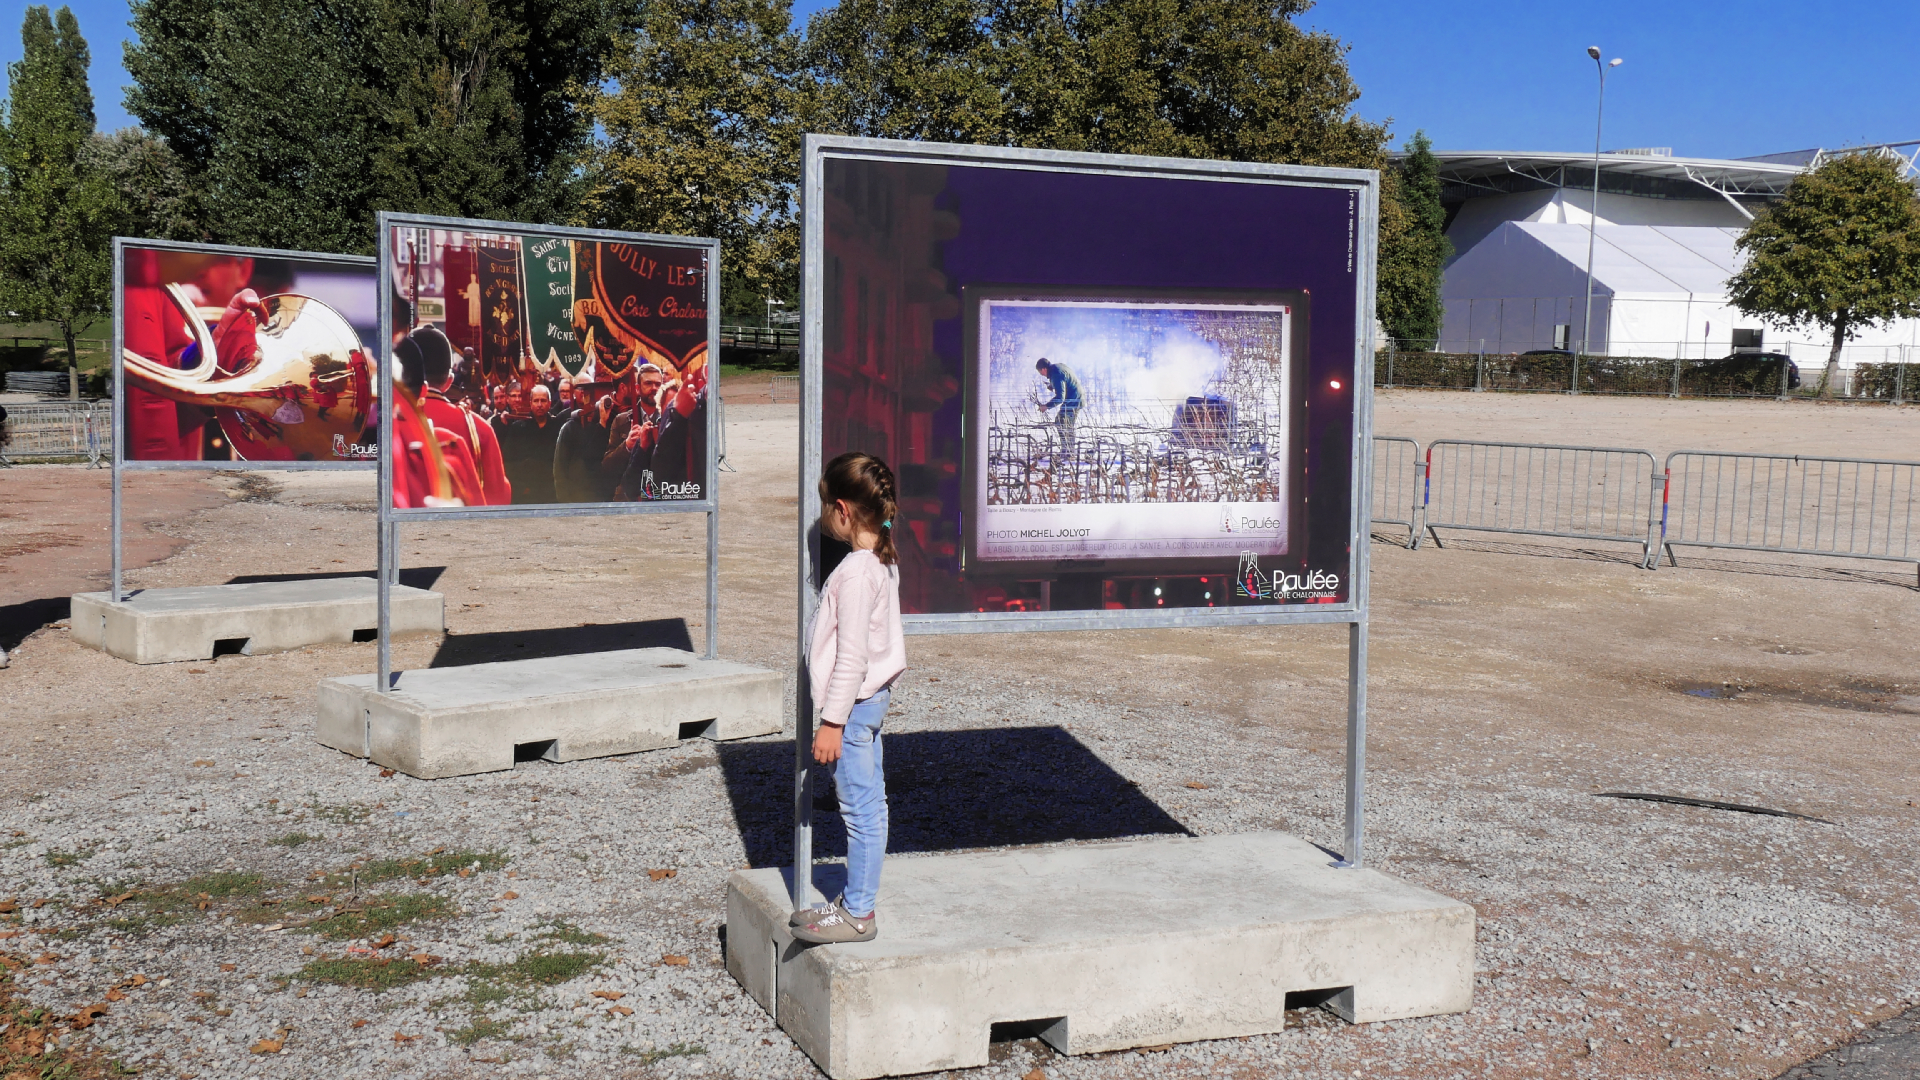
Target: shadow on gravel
[(417, 577), (949, 791), (460, 650), (18, 621)]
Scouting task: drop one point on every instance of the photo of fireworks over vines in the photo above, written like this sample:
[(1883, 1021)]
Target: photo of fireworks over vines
[(1136, 402)]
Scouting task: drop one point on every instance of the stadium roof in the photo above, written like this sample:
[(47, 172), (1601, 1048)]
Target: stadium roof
[(1468, 174)]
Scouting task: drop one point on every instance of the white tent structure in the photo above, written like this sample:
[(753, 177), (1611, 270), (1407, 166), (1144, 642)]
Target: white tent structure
[(1658, 290), (1663, 248)]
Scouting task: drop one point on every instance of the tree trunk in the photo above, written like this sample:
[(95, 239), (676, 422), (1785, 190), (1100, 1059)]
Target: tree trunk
[(73, 362), (1833, 358)]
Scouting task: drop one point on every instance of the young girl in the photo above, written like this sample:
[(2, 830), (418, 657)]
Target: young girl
[(854, 652)]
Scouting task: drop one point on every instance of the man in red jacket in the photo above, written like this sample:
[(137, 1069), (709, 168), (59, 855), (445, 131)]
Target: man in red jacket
[(436, 372)]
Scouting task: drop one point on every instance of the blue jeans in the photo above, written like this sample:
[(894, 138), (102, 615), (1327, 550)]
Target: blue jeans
[(860, 778)]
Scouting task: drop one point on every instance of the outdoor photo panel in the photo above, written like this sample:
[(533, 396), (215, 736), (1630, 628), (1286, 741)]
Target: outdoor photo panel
[(1102, 388), (233, 355), (547, 367)]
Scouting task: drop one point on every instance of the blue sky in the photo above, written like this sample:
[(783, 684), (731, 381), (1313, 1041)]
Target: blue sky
[(1714, 79)]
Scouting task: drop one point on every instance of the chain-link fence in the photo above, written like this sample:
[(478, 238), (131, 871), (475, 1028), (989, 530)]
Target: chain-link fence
[(58, 431), (1419, 365)]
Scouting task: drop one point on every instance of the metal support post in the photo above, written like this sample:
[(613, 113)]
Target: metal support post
[(713, 580), (1676, 378), (1480, 368), (119, 406), (1900, 383), (1356, 746), (116, 527), (1393, 348), (1785, 365), (389, 569)]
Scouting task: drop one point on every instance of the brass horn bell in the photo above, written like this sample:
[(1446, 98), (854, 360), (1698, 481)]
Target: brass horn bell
[(306, 393)]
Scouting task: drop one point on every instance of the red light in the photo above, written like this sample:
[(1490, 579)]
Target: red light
[(1335, 384)]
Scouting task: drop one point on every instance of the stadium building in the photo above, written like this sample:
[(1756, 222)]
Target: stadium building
[(1663, 247)]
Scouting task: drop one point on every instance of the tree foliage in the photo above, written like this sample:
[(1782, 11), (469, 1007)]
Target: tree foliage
[(1841, 250), (157, 197), (1414, 248), (57, 215), (458, 107), (701, 135)]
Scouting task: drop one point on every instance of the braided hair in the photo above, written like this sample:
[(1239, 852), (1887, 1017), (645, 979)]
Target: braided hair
[(866, 483)]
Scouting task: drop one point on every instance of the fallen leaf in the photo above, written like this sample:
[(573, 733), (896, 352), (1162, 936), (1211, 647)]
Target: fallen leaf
[(386, 774), (42, 902), (1196, 785), (357, 1024), (116, 995), (223, 1012), (227, 967), (610, 995), (674, 961), (45, 958), (116, 901), (662, 875), (8, 907), (1035, 1074), (85, 1017), (1160, 1048), (269, 1046), (133, 981), (621, 1009), (196, 671), (438, 850), (384, 941), (202, 763), (5, 934), (399, 1038), (465, 872), (318, 899), (424, 959), (933, 678), (509, 895)]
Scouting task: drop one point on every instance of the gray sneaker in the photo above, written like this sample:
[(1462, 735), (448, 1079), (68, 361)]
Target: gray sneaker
[(815, 913), (838, 927)]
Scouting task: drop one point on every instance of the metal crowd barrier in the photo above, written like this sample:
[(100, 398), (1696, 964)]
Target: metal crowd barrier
[(784, 390), (58, 429), (1578, 492), (1856, 508), (1397, 471)]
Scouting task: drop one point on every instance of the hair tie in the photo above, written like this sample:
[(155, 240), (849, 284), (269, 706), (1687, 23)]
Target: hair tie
[(887, 524)]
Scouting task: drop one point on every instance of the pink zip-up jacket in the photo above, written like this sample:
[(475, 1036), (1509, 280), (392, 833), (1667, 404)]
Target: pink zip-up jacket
[(855, 648)]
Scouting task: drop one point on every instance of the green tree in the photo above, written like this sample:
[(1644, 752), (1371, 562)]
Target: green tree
[(295, 137), (160, 201), (1840, 250), (57, 216), (702, 135), (1224, 79), (1414, 248)]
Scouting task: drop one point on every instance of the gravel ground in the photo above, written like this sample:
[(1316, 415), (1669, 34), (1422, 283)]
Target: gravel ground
[(531, 910)]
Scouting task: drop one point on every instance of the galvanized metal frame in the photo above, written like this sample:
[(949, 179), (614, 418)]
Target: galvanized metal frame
[(816, 149), (390, 517), (1418, 503), (1645, 539), (1907, 555), (118, 358)]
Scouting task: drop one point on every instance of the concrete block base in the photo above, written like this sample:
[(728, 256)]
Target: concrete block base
[(162, 626), (1098, 947), (463, 720)]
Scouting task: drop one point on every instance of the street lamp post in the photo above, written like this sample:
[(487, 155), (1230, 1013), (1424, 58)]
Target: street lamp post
[(1593, 217)]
